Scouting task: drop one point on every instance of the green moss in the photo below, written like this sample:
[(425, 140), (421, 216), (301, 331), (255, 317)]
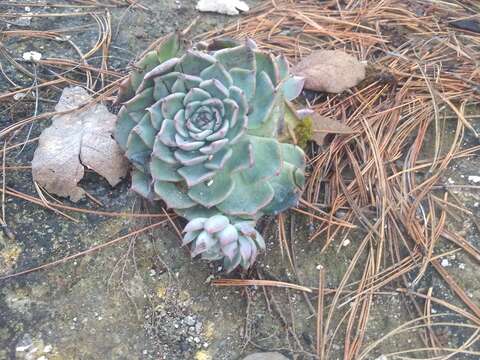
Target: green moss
[(304, 131)]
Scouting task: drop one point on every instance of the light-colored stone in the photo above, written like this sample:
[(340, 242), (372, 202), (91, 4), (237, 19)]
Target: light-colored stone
[(227, 7), (266, 356)]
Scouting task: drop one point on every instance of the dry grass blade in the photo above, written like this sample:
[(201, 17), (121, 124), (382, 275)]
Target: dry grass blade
[(252, 282), (320, 309)]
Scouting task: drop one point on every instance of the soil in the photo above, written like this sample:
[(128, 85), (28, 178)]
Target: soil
[(145, 298)]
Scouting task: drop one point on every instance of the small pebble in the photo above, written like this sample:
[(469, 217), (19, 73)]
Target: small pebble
[(47, 348), (19, 96), (190, 320), (474, 178), (445, 263), (32, 56)]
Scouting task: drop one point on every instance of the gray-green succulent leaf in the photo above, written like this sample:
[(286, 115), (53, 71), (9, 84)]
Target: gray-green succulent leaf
[(217, 238)]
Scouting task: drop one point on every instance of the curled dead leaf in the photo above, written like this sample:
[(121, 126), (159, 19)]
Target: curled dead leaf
[(331, 71), (322, 126), (74, 140)]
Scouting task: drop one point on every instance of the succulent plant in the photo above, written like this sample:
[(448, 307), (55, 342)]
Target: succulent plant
[(215, 238), (201, 131)]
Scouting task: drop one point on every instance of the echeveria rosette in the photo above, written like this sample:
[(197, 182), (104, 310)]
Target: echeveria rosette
[(201, 128), (216, 238)]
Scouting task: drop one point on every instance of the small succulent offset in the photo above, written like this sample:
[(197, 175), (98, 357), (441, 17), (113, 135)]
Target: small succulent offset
[(201, 130)]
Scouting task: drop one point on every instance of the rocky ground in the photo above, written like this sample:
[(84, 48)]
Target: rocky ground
[(145, 298)]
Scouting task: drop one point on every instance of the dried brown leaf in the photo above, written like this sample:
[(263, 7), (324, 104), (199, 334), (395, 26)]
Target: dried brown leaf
[(331, 71), (74, 140), (322, 126)]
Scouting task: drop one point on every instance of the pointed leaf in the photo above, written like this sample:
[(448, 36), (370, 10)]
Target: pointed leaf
[(191, 81), (140, 101), (263, 101), (163, 171), (189, 158), (259, 241), (169, 47), (293, 154), (267, 63), (230, 250), (231, 111), (244, 80), (163, 152), (283, 67), (173, 197), (145, 131), (213, 253), (141, 184), (156, 115), (218, 72), (196, 174), (125, 124), (196, 94), (203, 243), (189, 237), (215, 88), (213, 192), (157, 71), (236, 57), (179, 86), (232, 264), (172, 104), (137, 151), (213, 147), (267, 159), (238, 96), (188, 145), (228, 235), (219, 159), (167, 133), (293, 87), (236, 132), (286, 191), (220, 133), (247, 228), (216, 223), (242, 157), (195, 224), (246, 199), (198, 211), (193, 62), (245, 248)]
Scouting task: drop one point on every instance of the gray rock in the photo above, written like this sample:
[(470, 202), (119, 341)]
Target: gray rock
[(190, 320), (265, 356), (25, 343)]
